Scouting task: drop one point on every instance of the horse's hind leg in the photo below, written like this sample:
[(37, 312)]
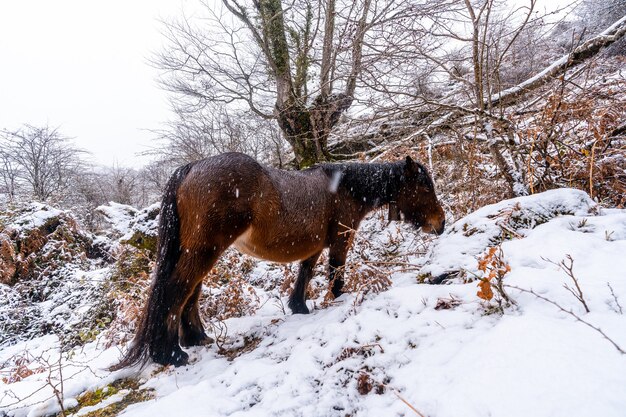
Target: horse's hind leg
[(297, 298), (188, 274), (191, 327)]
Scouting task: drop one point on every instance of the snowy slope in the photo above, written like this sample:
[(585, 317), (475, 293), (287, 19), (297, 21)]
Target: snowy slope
[(368, 360)]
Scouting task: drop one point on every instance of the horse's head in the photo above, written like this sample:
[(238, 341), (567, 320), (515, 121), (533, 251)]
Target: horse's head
[(416, 200)]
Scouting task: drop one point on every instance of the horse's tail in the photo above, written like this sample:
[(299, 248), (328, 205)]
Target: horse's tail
[(168, 252)]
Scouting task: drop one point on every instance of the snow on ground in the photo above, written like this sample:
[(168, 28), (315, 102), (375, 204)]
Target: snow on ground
[(463, 360)]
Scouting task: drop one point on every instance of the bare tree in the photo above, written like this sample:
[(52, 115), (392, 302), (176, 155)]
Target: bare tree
[(463, 52), (299, 62), (156, 174), (9, 170), (123, 184), (99, 185), (46, 159), (595, 17), (215, 129)]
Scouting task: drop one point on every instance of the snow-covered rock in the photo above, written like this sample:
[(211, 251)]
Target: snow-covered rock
[(138, 228), (35, 234), (47, 280), (119, 216), (455, 253)]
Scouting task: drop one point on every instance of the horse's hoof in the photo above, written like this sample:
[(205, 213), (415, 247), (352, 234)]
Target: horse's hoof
[(176, 357), (180, 358), (299, 308), (200, 339)]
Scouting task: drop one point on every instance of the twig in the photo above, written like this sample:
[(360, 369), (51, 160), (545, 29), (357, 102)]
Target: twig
[(621, 311), (571, 313), (59, 393), (370, 346), (49, 365), (408, 404), (508, 229), (220, 338), (407, 269), (408, 264), (569, 270), (348, 229)]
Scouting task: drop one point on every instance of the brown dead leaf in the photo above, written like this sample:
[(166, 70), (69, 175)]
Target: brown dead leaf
[(485, 291)]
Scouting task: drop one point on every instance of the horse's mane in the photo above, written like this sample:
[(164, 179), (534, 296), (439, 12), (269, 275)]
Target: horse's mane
[(372, 182)]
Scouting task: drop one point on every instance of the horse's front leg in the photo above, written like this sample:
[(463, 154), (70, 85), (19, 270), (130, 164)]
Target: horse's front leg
[(297, 299), (337, 254)]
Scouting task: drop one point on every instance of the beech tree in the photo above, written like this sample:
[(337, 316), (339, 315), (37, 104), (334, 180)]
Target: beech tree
[(299, 62)]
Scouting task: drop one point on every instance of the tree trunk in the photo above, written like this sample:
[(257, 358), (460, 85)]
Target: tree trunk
[(307, 128)]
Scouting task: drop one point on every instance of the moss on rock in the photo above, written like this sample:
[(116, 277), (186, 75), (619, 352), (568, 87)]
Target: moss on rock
[(95, 397)]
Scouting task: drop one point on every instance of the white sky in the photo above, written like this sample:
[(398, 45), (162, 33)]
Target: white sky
[(83, 65)]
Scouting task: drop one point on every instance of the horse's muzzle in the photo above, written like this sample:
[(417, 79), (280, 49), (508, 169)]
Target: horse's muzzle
[(441, 228), (433, 229)]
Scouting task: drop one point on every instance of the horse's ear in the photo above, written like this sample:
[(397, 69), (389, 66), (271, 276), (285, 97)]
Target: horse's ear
[(411, 167)]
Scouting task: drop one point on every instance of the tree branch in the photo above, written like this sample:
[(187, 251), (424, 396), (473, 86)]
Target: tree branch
[(585, 51)]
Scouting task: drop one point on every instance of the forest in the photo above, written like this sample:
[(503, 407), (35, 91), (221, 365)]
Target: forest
[(516, 111)]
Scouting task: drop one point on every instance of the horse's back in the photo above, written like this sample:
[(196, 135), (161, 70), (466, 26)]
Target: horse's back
[(219, 196), (270, 213), (227, 178), (225, 164)]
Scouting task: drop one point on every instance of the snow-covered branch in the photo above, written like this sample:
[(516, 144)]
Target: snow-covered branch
[(584, 51)]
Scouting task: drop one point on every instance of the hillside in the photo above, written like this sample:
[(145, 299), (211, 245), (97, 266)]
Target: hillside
[(395, 345)]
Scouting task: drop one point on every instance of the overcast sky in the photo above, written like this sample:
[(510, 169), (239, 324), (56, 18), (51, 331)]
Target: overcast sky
[(82, 65)]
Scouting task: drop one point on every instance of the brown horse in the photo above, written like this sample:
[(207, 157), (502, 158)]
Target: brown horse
[(278, 215)]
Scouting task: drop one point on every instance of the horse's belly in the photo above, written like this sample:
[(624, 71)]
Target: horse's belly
[(287, 249)]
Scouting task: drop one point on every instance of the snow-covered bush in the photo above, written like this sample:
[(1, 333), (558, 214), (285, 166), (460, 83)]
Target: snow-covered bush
[(128, 290), (51, 275), (575, 138)]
